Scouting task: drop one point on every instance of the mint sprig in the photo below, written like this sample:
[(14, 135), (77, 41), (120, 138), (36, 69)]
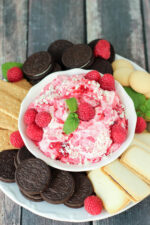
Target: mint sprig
[(71, 123), (9, 65), (141, 104), (72, 104)]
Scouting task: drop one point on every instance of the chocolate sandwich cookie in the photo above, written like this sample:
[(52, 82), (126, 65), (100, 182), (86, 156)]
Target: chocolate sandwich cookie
[(56, 67), (102, 65), (24, 154), (78, 56), (33, 176), (15, 161), (60, 189), (57, 48), (7, 167), (34, 82), (83, 189), (93, 43), (34, 198), (38, 65)]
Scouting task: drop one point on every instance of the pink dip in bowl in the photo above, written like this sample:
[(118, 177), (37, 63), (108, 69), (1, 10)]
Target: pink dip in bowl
[(91, 141)]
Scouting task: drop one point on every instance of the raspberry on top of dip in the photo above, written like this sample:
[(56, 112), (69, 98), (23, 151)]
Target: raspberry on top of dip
[(91, 140)]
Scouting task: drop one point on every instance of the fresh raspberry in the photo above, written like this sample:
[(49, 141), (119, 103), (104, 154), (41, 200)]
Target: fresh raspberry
[(29, 116), (107, 82), (42, 119), (34, 132), (93, 75), (16, 139), (118, 133), (93, 205), (102, 49), (140, 125), (85, 111), (14, 74)]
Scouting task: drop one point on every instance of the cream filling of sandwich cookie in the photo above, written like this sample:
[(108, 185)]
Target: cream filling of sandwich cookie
[(92, 139)]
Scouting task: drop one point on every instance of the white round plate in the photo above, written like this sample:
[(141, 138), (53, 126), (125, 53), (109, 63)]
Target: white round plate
[(56, 212), (35, 91)]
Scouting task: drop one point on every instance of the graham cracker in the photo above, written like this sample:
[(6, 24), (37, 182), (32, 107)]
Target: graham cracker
[(13, 90), (9, 105), (7, 122), (23, 84), (4, 140)]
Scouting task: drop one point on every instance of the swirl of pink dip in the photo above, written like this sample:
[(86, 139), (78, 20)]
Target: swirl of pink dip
[(92, 139)]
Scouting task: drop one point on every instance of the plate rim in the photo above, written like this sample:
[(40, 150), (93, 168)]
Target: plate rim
[(11, 195)]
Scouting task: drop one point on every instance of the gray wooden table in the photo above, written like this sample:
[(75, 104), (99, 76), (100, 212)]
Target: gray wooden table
[(27, 26)]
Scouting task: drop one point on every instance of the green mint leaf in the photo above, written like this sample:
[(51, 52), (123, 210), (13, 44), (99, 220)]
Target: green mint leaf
[(72, 104), (137, 98), (147, 115), (147, 105), (9, 65), (140, 114), (71, 123), (142, 108)]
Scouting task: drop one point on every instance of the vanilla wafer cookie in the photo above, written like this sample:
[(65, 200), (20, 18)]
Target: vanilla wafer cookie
[(135, 187), (9, 105), (121, 63), (13, 90), (4, 140), (122, 75), (7, 122), (140, 81)]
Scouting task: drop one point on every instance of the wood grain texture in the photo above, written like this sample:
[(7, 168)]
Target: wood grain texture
[(121, 23), (29, 218), (50, 20), (138, 215), (146, 23), (1, 36), (13, 31), (9, 211)]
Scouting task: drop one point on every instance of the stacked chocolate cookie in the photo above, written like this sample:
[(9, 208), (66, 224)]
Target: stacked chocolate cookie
[(38, 182), (63, 55)]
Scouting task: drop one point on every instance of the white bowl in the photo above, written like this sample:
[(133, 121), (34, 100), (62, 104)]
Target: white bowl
[(35, 91)]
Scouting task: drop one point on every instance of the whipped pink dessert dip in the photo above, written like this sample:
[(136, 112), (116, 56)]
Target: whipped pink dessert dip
[(91, 141)]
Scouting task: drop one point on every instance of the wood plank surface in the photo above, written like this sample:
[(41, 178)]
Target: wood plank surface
[(138, 215), (121, 22), (146, 24), (13, 30), (9, 211), (29, 218), (50, 20)]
